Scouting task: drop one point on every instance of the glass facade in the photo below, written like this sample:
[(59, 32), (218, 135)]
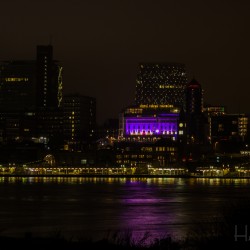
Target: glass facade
[(161, 84)]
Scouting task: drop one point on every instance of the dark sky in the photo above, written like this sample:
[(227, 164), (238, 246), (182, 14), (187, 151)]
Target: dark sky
[(100, 43)]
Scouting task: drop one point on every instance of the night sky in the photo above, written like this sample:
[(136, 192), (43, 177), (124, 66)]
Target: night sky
[(100, 43)]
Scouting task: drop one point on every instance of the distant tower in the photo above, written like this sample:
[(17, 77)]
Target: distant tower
[(196, 122), (161, 84), (49, 79), (194, 98)]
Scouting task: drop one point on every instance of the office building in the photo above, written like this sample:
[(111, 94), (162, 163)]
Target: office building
[(18, 86), (30, 90), (194, 98), (197, 127), (228, 127), (79, 120), (49, 79), (161, 85)]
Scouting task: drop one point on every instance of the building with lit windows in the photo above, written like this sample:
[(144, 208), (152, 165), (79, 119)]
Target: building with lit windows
[(229, 132), (79, 120), (161, 85), (214, 110), (29, 91), (18, 86), (228, 127), (31, 84), (137, 124), (151, 131), (159, 98), (161, 153), (49, 79), (50, 127)]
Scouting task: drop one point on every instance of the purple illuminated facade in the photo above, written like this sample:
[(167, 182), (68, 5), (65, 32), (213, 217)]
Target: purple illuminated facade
[(158, 125)]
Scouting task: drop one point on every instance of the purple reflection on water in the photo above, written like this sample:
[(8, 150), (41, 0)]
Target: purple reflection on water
[(143, 211), (91, 207)]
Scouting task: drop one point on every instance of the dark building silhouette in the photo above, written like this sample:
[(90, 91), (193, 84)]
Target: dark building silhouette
[(50, 127), (194, 95), (17, 100), (161, 85), (30, 90), (79, 120), (31, 84), (18, 86), (49, 78), (196, 121), (225, 127), (228, 127), (109, 129)]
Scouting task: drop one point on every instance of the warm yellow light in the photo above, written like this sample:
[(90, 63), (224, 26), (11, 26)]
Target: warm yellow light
[(156, 106), (16, 79)]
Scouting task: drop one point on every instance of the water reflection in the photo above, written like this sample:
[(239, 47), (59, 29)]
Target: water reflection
[(111, 180), (92, 206)]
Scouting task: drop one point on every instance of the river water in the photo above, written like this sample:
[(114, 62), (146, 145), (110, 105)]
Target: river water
[(93, 207)]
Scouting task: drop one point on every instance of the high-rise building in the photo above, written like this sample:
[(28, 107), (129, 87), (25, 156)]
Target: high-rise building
[(31, 84), (17, 86), (196, 121), (155, 124), (30, 91), (79, 120), (161, 85), (49, 79), (194, 95)]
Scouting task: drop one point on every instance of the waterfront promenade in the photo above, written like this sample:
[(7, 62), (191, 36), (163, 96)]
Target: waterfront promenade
[(151, 172)]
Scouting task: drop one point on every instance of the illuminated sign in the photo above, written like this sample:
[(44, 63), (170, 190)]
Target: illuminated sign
[(16, 79), (156, 106), (171, 87)]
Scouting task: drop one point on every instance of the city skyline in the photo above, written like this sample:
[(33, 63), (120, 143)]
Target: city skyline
[(100, 45)]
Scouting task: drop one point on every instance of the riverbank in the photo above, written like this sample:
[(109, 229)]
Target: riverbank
[(125, 176), (125, 241)]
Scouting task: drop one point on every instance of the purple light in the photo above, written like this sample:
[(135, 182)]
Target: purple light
[(147, 126)]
